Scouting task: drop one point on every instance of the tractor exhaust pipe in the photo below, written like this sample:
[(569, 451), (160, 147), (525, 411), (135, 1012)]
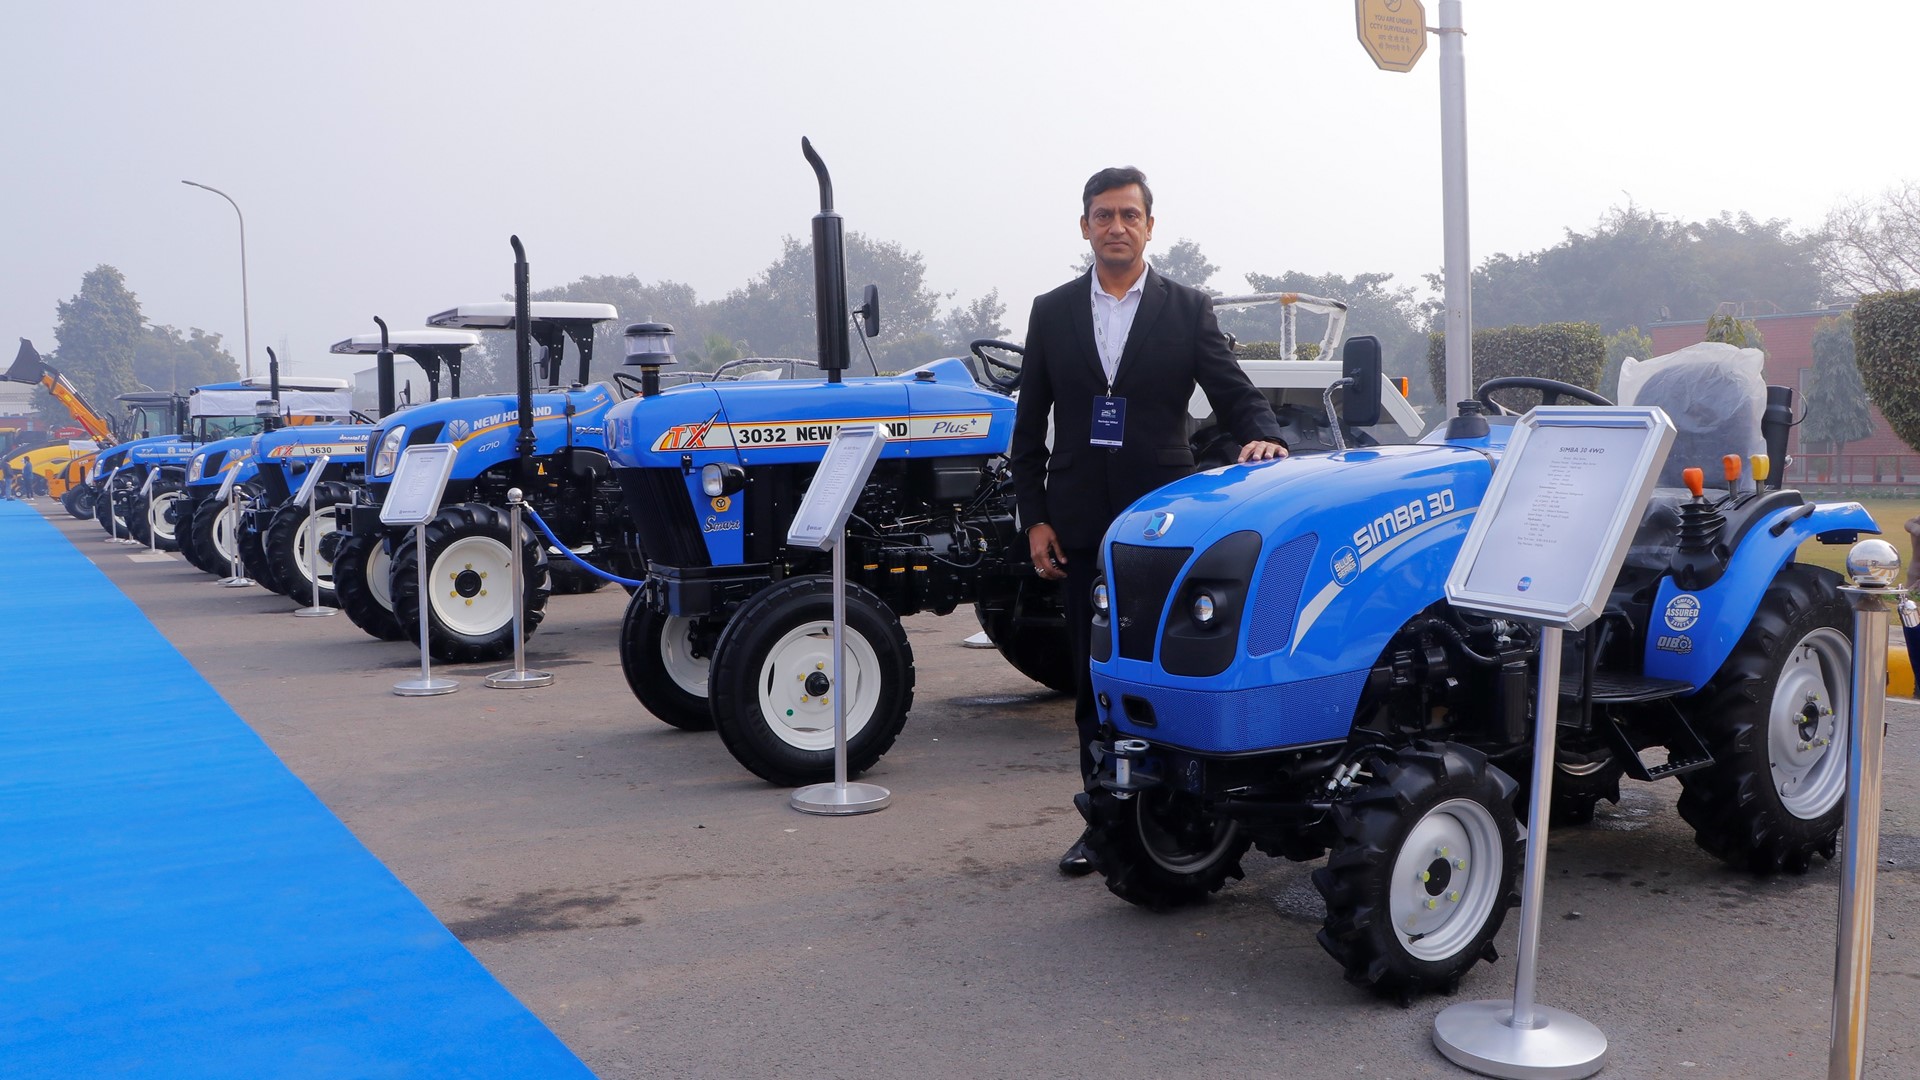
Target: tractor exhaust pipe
[(1775, 423), (829, 274), (273, 387), (383, 371), (522, 350)]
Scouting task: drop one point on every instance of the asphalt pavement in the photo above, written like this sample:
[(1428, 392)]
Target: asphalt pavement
[(668, 915)]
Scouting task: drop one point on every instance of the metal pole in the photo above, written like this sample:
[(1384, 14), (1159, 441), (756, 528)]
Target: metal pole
[(239, 580), (1860, 848), (1458, 266), (246, 318), (1522, 1038), (106, 491), (519, 678), (840, 797), (311, 527), (426, 685)]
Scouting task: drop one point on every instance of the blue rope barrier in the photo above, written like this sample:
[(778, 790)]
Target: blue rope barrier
[(568, 552)]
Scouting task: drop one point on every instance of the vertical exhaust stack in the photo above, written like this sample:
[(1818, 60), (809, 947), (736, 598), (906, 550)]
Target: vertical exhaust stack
[(1775, 423), (522, 350), (383, 371), (829, 274), (273, 387)]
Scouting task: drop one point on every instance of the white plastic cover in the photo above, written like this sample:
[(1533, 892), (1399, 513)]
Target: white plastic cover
[(292, 402), (1715, 394)]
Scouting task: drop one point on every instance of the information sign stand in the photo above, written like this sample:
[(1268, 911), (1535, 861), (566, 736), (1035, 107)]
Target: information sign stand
[(519, 678), (229, 492), (1545, 547), (106, 492), (412, 499), (308, 489), (821, 523), (153, 534)]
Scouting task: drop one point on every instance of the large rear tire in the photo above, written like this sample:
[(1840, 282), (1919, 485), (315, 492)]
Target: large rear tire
[(1161, 849), (1774, 718), (154, 517), (1422, 869), (656, 654), (361, 572), (214, 536), (469, 584), (772, 681), (1030, 630)]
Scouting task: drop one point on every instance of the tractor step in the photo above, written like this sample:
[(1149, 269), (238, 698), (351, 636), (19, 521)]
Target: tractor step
[(1611, 688), (1685, 751)]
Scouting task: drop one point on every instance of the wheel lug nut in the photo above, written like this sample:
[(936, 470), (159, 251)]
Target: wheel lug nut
[(1453, 897), (1424, 876), (1459, 864), (1431, 904)]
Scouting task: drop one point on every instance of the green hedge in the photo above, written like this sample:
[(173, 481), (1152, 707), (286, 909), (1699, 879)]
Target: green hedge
[(1270, 350), (1570, 352), (1886, 349)]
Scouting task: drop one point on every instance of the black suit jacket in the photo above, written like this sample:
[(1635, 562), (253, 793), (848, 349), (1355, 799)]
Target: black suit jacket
[(1175, 343)]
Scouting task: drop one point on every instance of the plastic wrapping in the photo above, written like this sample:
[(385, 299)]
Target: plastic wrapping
[(1715, 394)]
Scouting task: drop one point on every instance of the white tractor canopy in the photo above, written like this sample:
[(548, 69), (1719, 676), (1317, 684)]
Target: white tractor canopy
[(1304, 382), (498, 314), (368, 344), (298, 397)]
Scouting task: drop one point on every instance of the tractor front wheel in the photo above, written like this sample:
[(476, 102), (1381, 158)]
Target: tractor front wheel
[(291, 540), (656, 654), (1030, 630), (469, 584), (1161, 849), (79, 501), (773, 690), (361, 570)]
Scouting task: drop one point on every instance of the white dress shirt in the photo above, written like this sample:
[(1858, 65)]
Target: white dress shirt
[(1113, 321)]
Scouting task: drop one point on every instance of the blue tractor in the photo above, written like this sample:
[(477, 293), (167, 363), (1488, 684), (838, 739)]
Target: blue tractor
[(1276, 666), (550, 444)]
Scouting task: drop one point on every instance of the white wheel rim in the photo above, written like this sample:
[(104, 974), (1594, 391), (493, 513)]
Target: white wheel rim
[(1806, 726), (223, 533), (472, 586), (157, 513), (1445, 879), (803, 719), (303, 540), (688, 672), (379, 566)]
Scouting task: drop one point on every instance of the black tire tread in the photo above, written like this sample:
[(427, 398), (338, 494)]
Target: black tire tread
[(448, 525)]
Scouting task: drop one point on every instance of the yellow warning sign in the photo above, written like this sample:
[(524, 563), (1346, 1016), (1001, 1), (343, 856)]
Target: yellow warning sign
[(1393, 31)]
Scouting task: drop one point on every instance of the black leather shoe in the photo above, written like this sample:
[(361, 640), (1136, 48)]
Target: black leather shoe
[(1077, 861)]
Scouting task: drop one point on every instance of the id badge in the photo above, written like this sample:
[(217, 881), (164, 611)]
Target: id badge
[(1109, 421)]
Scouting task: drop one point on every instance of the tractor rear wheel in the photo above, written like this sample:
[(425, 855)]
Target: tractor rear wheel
[(469, 584), (213, 536), (361, 570), (1161, 849), (290, 541), (656, 654), (154, 516), (1422, 869), (1030, 630), (1774, 717), (772, 687)]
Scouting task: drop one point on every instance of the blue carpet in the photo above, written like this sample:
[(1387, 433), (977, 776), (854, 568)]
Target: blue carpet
[(173, 901)]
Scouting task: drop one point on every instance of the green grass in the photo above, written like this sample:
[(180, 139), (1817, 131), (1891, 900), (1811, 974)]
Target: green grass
[(1891, 513)]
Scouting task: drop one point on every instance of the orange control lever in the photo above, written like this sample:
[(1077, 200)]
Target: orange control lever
[(1730, 466), (1696, 481)]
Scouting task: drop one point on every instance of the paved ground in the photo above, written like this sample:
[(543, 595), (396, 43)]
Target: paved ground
[(669, 916)]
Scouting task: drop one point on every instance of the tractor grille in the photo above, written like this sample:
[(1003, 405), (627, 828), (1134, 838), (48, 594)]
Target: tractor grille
[(1139, 579), (1276, 596), (662, 514)]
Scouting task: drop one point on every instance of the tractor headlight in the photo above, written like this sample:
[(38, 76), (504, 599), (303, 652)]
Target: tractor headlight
[(1100, 597), (1203, 609), (388, 455), (717, 479), (194, 470)]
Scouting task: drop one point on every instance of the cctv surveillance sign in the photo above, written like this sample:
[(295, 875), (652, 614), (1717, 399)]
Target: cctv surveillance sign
[(1393, 31), (1549, 538)]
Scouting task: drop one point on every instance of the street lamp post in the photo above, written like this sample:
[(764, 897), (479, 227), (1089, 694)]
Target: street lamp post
[(246, 321)]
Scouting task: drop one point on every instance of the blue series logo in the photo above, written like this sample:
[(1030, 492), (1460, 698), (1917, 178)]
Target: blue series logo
[(1346, 565), (1525, 583)]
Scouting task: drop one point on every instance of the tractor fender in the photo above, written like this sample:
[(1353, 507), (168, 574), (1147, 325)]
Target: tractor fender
[(1691, 633)]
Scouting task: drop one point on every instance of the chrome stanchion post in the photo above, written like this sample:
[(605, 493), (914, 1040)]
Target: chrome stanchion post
[(1873, 566), (153, 534), (519, 678), (239, 580), (840, 797), (312, 529), (426, 685)]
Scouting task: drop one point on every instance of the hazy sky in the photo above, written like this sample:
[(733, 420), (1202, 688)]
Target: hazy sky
[(383, 152)]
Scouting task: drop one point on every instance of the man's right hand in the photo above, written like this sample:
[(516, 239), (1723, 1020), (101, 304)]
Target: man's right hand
[(1049, 558)]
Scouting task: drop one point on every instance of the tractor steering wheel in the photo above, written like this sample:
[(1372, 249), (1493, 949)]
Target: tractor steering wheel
[(999, 372), (1550, 392)]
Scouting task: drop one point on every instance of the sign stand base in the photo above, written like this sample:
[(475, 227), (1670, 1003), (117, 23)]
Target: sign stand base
[(425, 687), (237, 582), (314, 612), (854, 798), (518, 679), (1480, 1035)]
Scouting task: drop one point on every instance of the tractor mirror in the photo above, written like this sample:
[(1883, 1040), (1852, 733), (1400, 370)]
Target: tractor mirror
[(870, 311), (1360, 399)]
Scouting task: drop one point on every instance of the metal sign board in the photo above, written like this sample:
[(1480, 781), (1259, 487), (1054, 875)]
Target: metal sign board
[(1394, 32), (226, 483), (1551, 534), (418, 483), (312, 478), (837, 485)]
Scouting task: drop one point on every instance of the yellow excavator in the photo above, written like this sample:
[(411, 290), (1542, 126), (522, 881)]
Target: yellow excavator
[(52, 469)]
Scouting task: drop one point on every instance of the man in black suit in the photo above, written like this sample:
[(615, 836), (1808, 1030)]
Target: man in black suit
[(1112, 358)]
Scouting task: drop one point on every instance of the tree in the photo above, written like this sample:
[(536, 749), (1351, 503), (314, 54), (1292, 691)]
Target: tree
[(1837, 409), (1184, 263), (1874, 246), (1620, 345), (662, 301), (774, 312), (967, 323), (164, 359), (98, 331), (1733, 330)]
